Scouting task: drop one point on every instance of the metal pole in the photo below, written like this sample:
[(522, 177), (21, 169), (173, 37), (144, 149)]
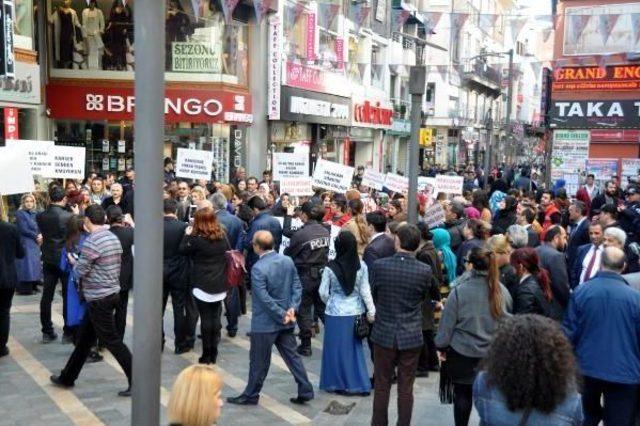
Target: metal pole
[(417, 80), (149, 18), (487, 150), (509, 106)]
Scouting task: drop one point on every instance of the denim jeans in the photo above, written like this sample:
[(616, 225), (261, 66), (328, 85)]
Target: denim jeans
[(620, 402)]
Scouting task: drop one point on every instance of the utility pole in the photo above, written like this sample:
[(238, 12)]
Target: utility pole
[(149, 16), (417, 81), (487, 150), (507, 121)]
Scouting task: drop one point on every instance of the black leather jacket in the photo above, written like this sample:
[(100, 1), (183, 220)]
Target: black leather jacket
[(53, 226)]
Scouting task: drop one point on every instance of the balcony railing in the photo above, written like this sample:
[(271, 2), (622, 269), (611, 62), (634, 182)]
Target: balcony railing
[(401, 108), (479, 69)]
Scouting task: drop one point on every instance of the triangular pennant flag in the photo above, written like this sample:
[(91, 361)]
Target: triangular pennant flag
[(635, 27), (228, 6), (546, 33), (487, 21), (328, 13), (458, 20), (261, 7), (360, 13), (606, 23), (516, 26), (377, 71), (297, 12), (442, 70), (400, 17), (194, 6), (548, 19), (535, 67), (361, 69), (431, 20), (577, 24)]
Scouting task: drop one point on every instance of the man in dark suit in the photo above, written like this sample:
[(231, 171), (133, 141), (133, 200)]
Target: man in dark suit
[(184, 201), (578, 230), (381, 245), (588, 257), (53, 225), (185, 315), (10, 250), (263, 220), (276, 292), (399, 285), (552, 259), (233, 227)]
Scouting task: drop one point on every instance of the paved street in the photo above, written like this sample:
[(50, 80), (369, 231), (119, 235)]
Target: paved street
[(27, 398)]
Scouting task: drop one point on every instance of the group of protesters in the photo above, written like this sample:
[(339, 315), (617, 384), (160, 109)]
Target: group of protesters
[(518, 298)]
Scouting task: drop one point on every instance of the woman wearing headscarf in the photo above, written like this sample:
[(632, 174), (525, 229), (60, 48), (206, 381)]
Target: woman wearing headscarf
[(442, 242), (345, 289), (29, 268), (506, 216)]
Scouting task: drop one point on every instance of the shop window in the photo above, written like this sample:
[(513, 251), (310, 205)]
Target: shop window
[(96, 38), (23, 24), (295, 32), (356, 69), (377, 67)]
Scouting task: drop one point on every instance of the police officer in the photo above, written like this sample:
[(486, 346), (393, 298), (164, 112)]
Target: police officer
[(629, 219), (309, 249)]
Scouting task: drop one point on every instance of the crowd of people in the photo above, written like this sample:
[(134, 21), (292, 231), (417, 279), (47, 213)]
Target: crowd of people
[(518, 299)]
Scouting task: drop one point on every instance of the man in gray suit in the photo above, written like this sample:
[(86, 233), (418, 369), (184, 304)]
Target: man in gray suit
[(276, 291), (552, 259)]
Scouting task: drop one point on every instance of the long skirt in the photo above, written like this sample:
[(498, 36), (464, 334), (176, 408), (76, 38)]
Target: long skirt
[(344, 368)]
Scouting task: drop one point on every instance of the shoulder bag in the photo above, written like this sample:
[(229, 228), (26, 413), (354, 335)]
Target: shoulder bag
[(235, 268)]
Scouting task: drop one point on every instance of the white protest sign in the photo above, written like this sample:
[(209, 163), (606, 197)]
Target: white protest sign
[(290, 165), (335, 230), (449, 184), (295, 225), (373, 179), (425, 182), (397, 183), (332, 176), (68, 162), (299, 186), (16, 176), (194, 164), (434, 216), (38, 152)]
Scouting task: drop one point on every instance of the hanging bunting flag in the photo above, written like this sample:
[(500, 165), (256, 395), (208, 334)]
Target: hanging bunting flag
[(377, 71), (546, 33), (442, 70), (361, 69), (606, 23), (400, 17), (261, 8), (535, 67), (228, 6), (194, 5), (516, 26), (635, 27), (328, 13), (577, 24), (458, 20), (487, 21), (359, 13), (431, 20), (298, 9)]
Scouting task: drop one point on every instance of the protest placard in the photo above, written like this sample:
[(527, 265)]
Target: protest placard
[(16, 176), (434, 216), (397, 183), (332, 176), (38, 152), (194, 164), (290, 165), (373, 179), (449, 184), (299, 186), (68, 162), (295, 225)]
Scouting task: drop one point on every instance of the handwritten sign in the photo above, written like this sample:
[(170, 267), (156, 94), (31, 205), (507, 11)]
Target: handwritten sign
[(373, 179), (16, 176), (194, 164), (299, 186), (332, 176), (449, 184), (38, 152), (290, 165), (434, 216), (397, 183), (68, 162), (295, 225)]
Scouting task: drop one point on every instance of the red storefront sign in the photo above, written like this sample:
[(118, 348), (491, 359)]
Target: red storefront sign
[(316, 80), (118, 103), (594, 78), (615, 136), (372, 114), (11, 123)]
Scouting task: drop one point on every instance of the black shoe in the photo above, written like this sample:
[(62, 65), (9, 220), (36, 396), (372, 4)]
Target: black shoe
[(182, 350), (304, 350), (242, 400), (125, 393), (4, 351), (206, 360), (248, 334), (422, 373), (49, 337), (94, 357), (299, 400), (56, 380), (316, 328), (232, 333), (67, 339), (25, 293)]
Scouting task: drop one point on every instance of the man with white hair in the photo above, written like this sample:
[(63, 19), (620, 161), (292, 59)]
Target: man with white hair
[(615, 237), (518, 236)]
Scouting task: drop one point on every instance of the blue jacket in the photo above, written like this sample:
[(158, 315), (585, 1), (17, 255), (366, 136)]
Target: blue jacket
[(492, 408), (603, 323), (262, 222), (576, 267), (578, 237), (233, 226), (275, 288)]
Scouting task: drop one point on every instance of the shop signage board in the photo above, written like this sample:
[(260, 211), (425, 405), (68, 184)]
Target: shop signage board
[(274, 70), (11, 123), (316, 79), (68, 162), (596, 79), (570, 150), (376, 114), (290, 165), (397, 183), (400, 127), (7, 58), (602, 168), (238, 151), (332, 176), (24, 87), (630, 168), (190, 56), (296, 186), (595, 114), (434, 215), (116, 103), (373, 179), (38, 153), (16, 176), (302, 106), (194, 164), (449, 184)]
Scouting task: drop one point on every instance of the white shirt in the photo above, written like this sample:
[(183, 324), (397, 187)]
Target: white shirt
[(376, 235), (208, 297), (593, 251), (592, 191), (524, 277)]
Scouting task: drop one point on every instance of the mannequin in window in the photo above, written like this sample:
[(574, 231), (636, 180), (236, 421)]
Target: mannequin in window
[(65, 22), (178, 27), (212, 20), (92, 30), (117, 33)]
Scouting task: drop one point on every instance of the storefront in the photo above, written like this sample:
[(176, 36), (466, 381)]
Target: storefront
[(100, 117), (370, 120), (19, 102)]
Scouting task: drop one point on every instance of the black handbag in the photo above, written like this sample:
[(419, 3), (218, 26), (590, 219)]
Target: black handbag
[(362, 327)]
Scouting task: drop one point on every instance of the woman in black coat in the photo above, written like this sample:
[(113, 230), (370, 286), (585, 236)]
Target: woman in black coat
[(533, 293), (205, 244), (506, 216)]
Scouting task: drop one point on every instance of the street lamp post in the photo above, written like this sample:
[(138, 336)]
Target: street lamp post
[(507, 121), (417, 80)]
